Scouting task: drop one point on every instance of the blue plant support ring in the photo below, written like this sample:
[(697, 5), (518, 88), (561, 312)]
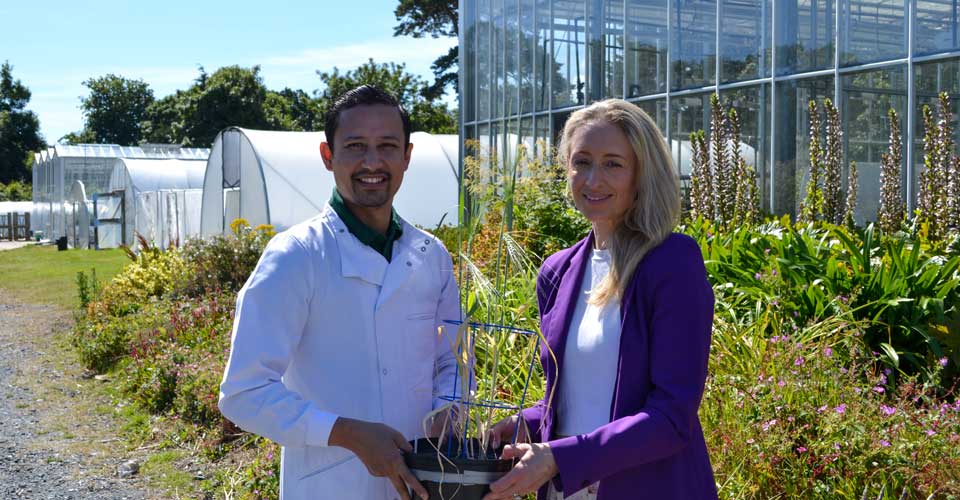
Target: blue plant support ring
[(499, 405)]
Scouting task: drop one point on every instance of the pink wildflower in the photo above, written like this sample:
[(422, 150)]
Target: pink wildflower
[(887, 410), (841, 409)]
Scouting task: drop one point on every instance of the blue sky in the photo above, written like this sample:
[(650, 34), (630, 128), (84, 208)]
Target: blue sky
[(55, 45)]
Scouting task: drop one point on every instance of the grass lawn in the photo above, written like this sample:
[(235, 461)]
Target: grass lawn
[(42, 275)]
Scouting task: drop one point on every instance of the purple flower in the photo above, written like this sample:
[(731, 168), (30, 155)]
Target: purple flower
[(943, 361), (843, 370), (766, 251), (887, 410), (757, 276), (801, 449), (828, 352), (822, 409), (836, 446), (774, 302), (781, 383), (799, 361), (884, 443), (841, 409), (773, 272), (930, 432), (750, 441), (879, 389), (767, 425)]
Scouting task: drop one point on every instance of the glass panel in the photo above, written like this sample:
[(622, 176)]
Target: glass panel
[(543, 132), (657, 109), (866, 99), (527, 135), (543, 63), (935, 27), (498, 84), (745, 39), (792, 154), (468, 96), (873, 30), (568, 52), (511, 58), (687, 114), (484, 54), (646, 47), (753, 108), (528, 47), (694, 41), (605, 50), (804, 35), (929, 80)]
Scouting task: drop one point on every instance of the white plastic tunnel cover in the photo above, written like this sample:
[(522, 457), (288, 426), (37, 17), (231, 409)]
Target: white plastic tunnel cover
[(278, 178), (79, 223), (144, 189)]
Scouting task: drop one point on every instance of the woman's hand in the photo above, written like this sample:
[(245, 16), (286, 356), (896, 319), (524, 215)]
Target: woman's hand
[(534, 468), (502, 432)]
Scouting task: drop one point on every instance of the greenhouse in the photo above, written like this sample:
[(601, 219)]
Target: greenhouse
[(56, 168), (278, 178), (154, 198), (78, 209)]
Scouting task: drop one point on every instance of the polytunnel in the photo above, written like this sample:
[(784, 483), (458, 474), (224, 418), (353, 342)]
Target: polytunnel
[(79, 223), (57, 167), (156, 199), (278, 178)]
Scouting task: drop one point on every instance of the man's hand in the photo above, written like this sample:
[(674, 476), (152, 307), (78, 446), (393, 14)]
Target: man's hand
[(380, 448), (502, 432), (535, 467)]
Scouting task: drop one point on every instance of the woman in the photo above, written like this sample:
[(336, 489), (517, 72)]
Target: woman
[(626, 313)]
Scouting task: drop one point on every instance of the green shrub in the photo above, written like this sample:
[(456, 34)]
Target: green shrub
[(222, 262), (818, 419)]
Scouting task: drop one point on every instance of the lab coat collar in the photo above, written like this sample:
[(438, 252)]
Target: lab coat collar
[(356, 259), (360, 261), (409, 254)]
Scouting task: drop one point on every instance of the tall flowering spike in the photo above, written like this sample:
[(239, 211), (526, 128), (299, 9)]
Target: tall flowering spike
[(953, 193), (739, 186), (891, 212), (851, 205), (753, 208), (722, 178), (707, 202), (925, 201), (699, 171), (811, 205), (943, 164), (832, 208)]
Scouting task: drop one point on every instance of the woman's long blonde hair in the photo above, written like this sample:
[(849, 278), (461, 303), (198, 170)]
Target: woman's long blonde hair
[(656, 210)]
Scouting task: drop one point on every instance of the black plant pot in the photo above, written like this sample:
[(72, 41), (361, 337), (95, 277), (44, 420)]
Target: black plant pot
[(464, 478)]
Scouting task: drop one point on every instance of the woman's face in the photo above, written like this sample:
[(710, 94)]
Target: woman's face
[(602, 167)]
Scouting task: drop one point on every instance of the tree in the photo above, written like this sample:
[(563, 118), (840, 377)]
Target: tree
[(19, 128), (425, 115), (293, 110), (437, 18), (231, 96), (114, 110)]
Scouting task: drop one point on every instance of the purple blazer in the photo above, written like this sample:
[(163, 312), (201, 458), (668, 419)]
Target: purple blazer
[(653, 446)]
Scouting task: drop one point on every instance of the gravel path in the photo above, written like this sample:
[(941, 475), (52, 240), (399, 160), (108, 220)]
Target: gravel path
[(50, 448)]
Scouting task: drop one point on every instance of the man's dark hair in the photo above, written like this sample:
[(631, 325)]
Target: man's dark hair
[(364, 95)]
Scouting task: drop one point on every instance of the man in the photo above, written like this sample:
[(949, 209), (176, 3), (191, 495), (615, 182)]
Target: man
[(337, 354)]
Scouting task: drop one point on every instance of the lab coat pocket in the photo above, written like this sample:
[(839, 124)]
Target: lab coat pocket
[(318, 460), (419, 337)]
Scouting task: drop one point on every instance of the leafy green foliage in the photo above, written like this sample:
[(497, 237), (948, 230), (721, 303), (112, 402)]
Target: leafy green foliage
[(436, 18), (222, 262), (16, 191), (113, 111), (425, 114), (19, 128)]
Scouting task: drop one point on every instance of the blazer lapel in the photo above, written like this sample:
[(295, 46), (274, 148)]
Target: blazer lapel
[(566, 301)]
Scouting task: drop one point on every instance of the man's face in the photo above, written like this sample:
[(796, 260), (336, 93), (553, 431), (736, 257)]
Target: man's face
[(369, 158)]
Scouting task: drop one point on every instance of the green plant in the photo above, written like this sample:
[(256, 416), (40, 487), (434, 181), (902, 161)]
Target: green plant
[(822, 201), (88, 289), (222, 262)]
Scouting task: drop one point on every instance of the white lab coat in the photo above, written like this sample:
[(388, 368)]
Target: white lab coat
[(325, 327)]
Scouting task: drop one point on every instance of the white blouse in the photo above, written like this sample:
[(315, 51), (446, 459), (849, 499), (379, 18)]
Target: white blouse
[(590, 357)]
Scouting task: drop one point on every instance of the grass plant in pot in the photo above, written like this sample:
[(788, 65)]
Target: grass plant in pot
[(460, 464)]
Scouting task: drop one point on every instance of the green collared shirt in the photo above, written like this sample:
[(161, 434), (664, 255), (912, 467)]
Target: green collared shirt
[(383, 244)]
